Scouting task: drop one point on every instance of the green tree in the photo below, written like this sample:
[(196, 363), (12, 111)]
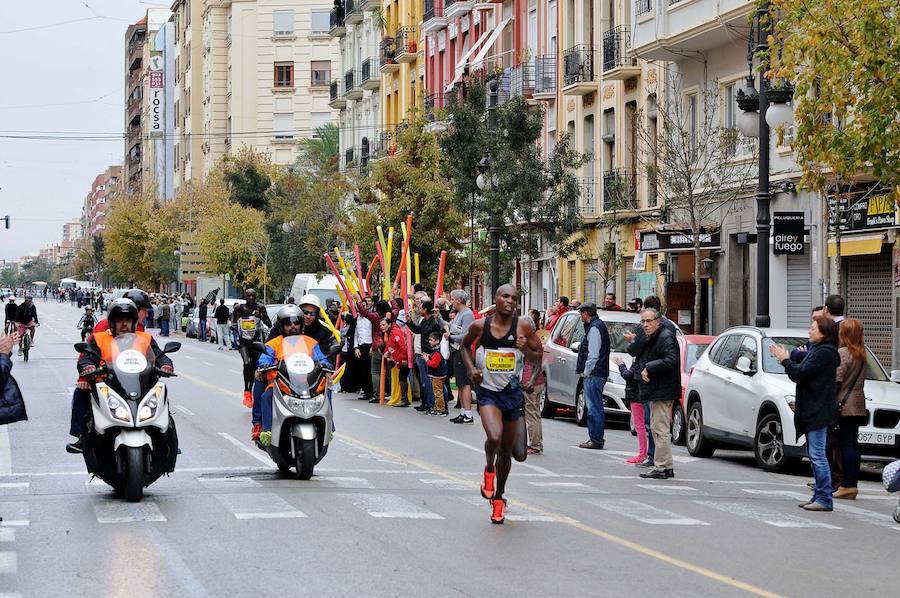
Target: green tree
[(319, 155), (248, 177), (843, 60), (233, 239), (37, 269)]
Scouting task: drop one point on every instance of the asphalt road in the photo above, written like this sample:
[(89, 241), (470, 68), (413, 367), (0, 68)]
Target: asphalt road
[(394, 510)]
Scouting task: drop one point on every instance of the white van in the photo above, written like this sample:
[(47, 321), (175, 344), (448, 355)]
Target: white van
[(322, 287)]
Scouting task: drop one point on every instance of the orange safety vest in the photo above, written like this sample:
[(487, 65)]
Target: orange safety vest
[(277, 344), (109, 350)]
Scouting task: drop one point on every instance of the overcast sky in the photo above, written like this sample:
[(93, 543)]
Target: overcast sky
[(61, 71)]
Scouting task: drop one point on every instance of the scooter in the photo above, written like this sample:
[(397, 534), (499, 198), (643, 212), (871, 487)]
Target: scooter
[(301, 407), (131, 439)]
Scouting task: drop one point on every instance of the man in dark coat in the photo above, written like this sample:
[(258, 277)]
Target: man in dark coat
[(660, 363), (12, 405)]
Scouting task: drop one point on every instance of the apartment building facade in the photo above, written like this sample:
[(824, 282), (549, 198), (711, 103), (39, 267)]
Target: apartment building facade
[(402, 52), (187, 88), (135, 39), (105, 188), (355, 88), (266, 74)]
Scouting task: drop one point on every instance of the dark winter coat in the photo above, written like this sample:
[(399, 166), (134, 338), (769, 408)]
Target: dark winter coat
[(662, 360), (12, 404), (816, 379)]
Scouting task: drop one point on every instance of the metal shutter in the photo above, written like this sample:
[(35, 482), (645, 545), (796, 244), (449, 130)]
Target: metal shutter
[(799, 293), (869, 300)]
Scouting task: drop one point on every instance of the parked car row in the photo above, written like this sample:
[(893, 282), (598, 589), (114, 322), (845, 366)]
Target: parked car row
[(734, 394)]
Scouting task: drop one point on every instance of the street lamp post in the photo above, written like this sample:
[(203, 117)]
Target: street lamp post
[(755, 120), (485, 180)]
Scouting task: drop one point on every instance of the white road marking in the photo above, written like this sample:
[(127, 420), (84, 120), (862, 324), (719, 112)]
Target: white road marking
[(484, 506), (675, 457), (264, 505), (5, 452), (10, 488), (183, 409), (9, 563), (229, 482), (15, 514), (7, 534), (881, 519), (208, 363), (767, 516), (444, 484), (671, 490), (10, 595), (236, 372), (187, 356), (568, 487), (116, 511), (340, 482), (389, 506), (642, 512), (360, 411), (253, 452), (478, 450)]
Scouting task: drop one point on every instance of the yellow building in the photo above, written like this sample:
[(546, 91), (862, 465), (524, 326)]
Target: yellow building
[(402, 60), (603, 87)]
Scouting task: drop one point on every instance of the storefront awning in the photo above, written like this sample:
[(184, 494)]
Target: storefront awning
[(856, 245), (484, 42)]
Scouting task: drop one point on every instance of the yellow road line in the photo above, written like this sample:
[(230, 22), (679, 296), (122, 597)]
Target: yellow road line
[(623, 542)]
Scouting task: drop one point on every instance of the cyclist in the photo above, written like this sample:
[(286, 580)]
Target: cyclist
[(87, 322), (247, 316), (27, 320), (10, 324)]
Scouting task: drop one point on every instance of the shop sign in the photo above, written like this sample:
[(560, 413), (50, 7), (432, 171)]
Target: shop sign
[(789, 231), (871, 213), (677, 240)]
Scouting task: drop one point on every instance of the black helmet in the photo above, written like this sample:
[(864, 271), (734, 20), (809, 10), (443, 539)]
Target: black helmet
[(120, 309), (139, 298)]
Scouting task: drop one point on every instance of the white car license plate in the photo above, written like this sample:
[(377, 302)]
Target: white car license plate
[(876, 438)]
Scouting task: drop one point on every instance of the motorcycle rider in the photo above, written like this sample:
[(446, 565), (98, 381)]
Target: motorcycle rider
[(27, 320), (247, 316), (123, 318), (81, 396), (290, 319)]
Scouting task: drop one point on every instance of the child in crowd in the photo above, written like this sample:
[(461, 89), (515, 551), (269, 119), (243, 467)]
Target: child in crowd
[(437, 371), (632, 395)]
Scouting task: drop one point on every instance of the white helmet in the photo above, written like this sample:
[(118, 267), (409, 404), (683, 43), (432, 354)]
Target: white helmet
[(310, 299), (291, 313)]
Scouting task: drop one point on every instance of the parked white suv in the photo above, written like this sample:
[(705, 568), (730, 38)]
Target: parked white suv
[(738, 396)]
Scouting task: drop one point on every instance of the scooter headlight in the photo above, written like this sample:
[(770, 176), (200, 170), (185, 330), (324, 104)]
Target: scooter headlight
[(305, 407), (148, 407), (118, 409)]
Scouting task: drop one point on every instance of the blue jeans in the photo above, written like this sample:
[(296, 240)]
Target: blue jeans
[(651, 444), (201, 330), (427, 391), (593, 399), (165, 327), (815, 448), (256, 414)]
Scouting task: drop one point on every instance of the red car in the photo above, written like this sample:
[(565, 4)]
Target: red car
[(691, 347)]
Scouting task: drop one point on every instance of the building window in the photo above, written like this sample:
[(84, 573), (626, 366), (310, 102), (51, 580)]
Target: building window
[(692, 125), (283, 125), (320, 22), (320, 73), (319, 119), (284, 74), (283, 22)]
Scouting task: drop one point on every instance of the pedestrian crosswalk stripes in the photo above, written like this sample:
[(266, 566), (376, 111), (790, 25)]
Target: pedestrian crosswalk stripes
[(9, 563), (769, 516), (566, 487), (259, 505), (15, 514), (7, 534), (671, 489), (842, 508), (116, 511), (389, 506), (13, 488), (643, 512)]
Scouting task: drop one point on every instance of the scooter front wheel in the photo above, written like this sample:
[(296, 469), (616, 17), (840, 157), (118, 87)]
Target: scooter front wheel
[(134, 474), (305, 457)]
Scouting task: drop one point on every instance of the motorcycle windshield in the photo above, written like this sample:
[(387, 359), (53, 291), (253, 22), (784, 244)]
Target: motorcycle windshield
[(300, 366), (132, 363)]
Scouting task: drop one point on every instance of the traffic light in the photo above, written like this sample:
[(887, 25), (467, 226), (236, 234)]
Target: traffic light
[(6, 219)]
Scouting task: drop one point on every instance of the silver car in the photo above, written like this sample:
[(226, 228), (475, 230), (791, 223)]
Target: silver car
[(564, 386)]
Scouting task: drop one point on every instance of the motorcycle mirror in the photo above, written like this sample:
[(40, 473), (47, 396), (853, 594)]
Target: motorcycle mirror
[(335, 349), (259, 347), (172, 347)]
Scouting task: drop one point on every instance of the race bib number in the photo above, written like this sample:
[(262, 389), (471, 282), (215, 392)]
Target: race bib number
[(248, 324), (131, 362), (299, 363), (500, 362)]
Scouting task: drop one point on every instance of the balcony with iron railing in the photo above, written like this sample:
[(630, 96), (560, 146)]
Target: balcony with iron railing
[(352, 12), (352, 90), (388, 52), (133, 110), (407, 44), (619, 190), (336, 97), (643, 7), (545, 77), (370, 75), (433, 18), (372, 5), (618, 63), (135, 55), (336, 25), (579, 74), (457, 8), (522, 80), (434, 106), (587, 198)]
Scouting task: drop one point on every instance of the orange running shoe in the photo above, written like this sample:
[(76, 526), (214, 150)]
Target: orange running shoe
[(248, 399), (487, 488), (498, 513), (254, 435)]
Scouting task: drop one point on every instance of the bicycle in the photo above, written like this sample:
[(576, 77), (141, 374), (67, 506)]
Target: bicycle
[(26, 331)]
